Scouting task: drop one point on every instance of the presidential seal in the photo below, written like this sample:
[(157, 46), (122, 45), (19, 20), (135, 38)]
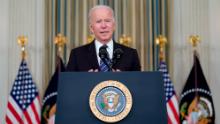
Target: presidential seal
[(110, 101)]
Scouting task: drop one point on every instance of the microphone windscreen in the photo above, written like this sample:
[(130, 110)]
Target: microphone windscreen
[(118, 53), (103, 52)]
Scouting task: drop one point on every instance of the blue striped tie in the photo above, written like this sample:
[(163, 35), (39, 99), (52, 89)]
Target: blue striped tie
[(103, 66)]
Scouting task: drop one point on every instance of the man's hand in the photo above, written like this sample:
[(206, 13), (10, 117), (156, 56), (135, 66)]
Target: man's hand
[(116, 70), (93, 70), (96, 70)]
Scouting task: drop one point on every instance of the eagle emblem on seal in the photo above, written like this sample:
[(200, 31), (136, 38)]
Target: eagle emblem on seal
[(110, 101)]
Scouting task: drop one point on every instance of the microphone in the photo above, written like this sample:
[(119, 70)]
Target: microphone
[(117, 54), (104, 56), (103, 53)]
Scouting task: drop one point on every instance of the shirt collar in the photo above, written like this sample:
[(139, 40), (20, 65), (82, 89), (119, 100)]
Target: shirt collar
[(98, 44)]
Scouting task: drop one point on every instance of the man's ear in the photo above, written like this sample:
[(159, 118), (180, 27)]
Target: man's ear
[(91, 29), (114, 27)]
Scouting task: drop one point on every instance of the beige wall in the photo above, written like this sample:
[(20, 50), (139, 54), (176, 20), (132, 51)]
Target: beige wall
[(214, 16), (4, 18)]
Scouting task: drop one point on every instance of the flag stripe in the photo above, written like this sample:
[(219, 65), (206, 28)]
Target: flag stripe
[(15, 106), (172, 107), (34, 111), (11, 119), (37, 106), (31, 114), (27, 117), (171, 99), (173, 113), (169, 121), (175, 104), (13, 113), (25, 121)]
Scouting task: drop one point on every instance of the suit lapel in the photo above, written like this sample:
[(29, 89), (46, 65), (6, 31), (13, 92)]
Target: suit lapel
[(115, 45), (92, 57)]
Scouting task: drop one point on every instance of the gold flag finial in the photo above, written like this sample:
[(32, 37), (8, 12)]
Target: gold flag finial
[(60, 41), (22, 40), (90, 38), (125, 40), (194, 40), (161, 41)]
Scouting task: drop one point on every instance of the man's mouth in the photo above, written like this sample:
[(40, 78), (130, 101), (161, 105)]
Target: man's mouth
[(104, 32)]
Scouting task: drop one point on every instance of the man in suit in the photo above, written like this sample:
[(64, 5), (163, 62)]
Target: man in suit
[(87, 58)]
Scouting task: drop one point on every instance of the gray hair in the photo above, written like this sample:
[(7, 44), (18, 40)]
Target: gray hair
[(97, 7)]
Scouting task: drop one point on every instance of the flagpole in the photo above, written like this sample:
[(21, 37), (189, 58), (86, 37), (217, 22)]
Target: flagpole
[(170, 94), (22, 40), (23, 103), (195, 40), (90, 38), (125, 40), (161, 41), (50, 96), (60, 40), (196, 98)]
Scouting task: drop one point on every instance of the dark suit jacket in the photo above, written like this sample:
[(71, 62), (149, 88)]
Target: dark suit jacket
[(84, 58)]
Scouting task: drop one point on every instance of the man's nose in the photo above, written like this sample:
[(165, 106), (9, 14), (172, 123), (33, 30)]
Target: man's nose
[(103, 25)]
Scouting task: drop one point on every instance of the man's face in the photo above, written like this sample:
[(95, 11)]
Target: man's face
[(102, 24)]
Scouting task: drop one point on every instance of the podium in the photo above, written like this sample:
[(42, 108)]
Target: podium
[(147, 90)]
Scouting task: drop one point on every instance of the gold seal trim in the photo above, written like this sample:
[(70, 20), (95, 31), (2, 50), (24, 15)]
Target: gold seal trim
[(99, 115)]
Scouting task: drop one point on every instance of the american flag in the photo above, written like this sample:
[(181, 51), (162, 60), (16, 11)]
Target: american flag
[(23, 103), (171, 99)]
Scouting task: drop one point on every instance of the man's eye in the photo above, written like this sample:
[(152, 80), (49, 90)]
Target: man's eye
[(98, 21), (108, 20)]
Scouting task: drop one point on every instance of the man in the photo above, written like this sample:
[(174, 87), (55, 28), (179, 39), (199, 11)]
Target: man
[(87, 58)]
